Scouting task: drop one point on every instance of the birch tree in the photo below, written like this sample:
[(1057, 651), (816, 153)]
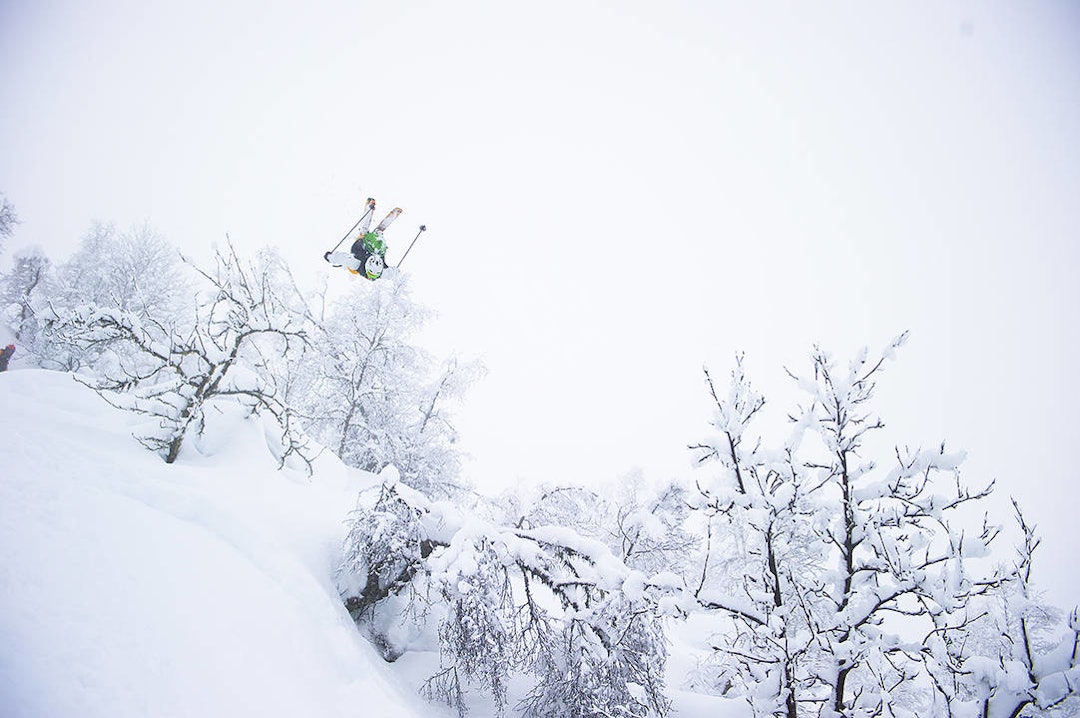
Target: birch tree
[(247, 317), (374, 398), (834, 565)]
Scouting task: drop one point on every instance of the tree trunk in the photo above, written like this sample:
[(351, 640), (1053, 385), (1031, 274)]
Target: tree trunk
[(174, 448)]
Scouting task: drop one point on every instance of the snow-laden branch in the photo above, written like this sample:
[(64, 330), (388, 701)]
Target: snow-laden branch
[(542, 601)]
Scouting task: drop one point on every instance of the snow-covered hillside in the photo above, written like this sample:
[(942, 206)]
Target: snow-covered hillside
[(132, 588), (129, 587)]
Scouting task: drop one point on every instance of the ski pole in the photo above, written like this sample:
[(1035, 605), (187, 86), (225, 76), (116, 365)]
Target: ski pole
[(370, 206), (422, 228)]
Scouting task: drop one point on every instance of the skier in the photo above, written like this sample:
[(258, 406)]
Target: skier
[(5, 355), (367, 256), (369, 250)]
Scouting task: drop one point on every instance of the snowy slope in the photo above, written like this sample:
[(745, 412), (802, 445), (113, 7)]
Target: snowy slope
[(133, 588)]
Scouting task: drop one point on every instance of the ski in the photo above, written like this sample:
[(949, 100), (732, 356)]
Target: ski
[(387, 220)]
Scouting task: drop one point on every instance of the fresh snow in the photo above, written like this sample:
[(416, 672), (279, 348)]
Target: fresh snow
[(129, 587), (132, 588)]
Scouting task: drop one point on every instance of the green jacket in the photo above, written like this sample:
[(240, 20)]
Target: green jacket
[(374, 244)]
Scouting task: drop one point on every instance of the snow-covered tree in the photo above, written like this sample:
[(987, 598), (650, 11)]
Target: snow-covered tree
[(1007, 653), (649, 524), (23, 294), (540, 601), (370, 395), (642, 524), (128, 309), (135, 272), (757, 555), (8, 220), (384, 551), (247, 317), (830, 568)]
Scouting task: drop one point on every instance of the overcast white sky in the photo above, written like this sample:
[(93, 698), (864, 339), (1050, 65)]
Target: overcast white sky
[(617, 193)]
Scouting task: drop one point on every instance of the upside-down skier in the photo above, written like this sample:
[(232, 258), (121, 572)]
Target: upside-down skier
[(367, 256)]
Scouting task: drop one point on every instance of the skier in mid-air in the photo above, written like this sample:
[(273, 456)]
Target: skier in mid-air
[(367, 256)]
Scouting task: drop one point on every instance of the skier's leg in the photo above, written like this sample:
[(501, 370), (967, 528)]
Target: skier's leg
[(370, 212), (343, 259)]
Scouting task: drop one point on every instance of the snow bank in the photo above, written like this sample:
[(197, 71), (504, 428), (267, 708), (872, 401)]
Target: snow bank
[(132, 588)]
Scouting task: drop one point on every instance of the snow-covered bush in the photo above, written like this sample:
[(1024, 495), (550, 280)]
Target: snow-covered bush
[(643, 524), (541, 602), (849, 588)]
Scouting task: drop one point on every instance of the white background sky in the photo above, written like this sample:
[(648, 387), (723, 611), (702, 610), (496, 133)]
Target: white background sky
[(617, 193)]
